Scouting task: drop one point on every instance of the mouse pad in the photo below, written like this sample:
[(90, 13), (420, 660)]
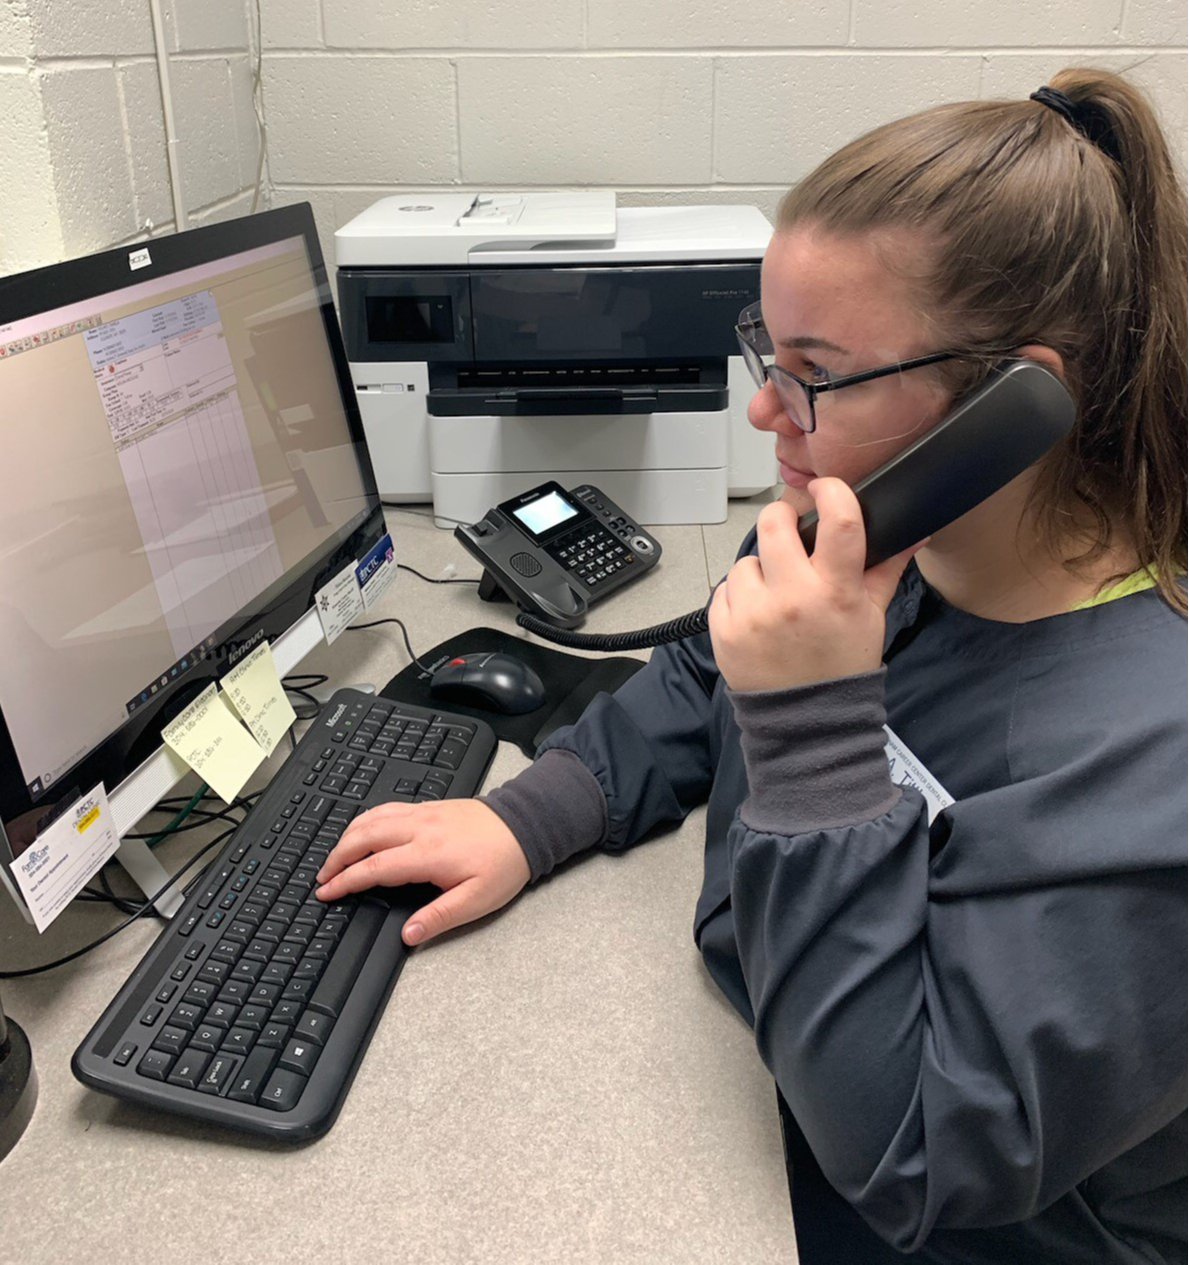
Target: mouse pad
[(570, 683)]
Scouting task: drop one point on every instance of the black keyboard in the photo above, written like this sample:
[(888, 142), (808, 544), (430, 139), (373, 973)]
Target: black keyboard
[(254, 1007)]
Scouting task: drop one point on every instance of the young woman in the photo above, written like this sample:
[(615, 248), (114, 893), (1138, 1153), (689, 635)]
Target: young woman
[(972, 998)]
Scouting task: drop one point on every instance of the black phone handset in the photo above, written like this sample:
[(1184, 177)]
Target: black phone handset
[(990, 436)]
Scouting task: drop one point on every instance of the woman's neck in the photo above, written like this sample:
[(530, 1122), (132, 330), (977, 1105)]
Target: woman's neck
[(994, 563)]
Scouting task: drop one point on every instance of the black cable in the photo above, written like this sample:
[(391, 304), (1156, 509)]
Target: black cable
[(400, 566), (404, 633), (78, 953), (689, 625)]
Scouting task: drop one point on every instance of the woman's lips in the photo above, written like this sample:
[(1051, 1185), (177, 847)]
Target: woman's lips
[(794, 478)]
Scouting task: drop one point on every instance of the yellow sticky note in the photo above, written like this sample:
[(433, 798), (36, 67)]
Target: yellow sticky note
[(209, 737), (254, 689)]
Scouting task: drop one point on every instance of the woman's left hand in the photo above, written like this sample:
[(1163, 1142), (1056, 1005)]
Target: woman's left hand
[(783, 617)]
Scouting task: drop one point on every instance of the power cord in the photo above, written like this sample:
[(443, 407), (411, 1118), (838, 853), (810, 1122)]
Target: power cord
[(400, 566), (404, 632)]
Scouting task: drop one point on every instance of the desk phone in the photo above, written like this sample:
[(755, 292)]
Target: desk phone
[(554, 552)]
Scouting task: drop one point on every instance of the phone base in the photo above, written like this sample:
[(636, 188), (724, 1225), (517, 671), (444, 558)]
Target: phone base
[(490, 589)]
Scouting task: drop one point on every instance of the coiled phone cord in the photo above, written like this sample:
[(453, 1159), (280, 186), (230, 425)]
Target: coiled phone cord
[(642, 639)]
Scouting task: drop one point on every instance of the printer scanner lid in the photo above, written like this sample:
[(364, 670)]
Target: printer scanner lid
[(501, 229), (414, 229)]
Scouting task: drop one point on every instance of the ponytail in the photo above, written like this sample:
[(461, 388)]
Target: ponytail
[(1057, 220)]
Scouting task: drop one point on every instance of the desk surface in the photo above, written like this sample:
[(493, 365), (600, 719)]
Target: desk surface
[(559, 1082)]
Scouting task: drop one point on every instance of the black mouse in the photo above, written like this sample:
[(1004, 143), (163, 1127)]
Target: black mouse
[(490, 681)]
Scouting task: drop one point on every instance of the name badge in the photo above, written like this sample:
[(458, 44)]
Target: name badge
[(907, 770)]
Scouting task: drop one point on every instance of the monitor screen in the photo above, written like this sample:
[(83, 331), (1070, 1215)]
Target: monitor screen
[(182, 465)]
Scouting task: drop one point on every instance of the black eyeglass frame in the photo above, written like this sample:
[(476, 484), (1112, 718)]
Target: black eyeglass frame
[(750, 322)]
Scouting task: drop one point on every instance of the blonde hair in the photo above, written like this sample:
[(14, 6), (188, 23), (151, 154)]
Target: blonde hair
[(1033, 232)]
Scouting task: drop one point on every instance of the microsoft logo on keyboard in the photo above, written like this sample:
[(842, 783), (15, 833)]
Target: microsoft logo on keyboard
[(337, 716)]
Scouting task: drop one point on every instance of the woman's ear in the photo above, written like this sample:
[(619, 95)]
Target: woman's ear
[(1045, 356)]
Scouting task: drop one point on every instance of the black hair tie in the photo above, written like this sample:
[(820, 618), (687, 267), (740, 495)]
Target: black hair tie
[(1084, 116)]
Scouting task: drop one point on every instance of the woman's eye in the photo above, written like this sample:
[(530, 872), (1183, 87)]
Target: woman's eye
[(816, 373)]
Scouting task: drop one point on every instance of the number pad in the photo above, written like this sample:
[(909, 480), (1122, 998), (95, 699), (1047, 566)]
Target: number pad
[(592, 555)]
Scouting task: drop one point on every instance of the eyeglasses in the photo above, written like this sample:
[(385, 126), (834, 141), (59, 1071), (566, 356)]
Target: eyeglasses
[(797, 397)]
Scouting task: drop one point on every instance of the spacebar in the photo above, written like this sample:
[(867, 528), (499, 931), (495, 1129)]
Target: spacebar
[(343, 969)]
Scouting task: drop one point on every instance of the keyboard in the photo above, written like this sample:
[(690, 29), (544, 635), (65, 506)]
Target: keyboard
[(254, 1007)]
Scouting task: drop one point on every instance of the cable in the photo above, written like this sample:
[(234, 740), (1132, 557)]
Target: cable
[(689, 625), (78, 953), (404, 633), (400, 566)]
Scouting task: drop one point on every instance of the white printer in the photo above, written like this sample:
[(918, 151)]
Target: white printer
[(499, 340)]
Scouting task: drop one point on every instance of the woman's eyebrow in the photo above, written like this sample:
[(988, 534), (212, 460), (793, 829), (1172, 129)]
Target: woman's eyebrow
[(812, 344)]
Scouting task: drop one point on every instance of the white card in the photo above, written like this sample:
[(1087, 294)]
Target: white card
[(339, 602), (64, 857), (907, 770), (376, 571)]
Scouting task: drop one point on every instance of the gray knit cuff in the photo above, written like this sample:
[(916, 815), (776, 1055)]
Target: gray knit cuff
[(815, 755), (555, 808)]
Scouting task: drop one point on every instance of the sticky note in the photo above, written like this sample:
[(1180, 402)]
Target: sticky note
[(56, 867), (254, 690), (211, 740)]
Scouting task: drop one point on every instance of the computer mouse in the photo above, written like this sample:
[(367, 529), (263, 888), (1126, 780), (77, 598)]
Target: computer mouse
[(489, 680)]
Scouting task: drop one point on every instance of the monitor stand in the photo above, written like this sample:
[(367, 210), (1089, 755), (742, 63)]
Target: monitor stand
[(18, 1083)]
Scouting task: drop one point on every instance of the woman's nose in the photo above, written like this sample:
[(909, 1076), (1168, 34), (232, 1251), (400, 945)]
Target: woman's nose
[(764, 410)]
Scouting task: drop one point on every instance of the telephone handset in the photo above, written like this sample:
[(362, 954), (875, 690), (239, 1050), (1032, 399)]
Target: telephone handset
[(554, 552), (989, 437)]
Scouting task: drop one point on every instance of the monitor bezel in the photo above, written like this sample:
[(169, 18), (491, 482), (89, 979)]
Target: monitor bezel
[(286, 600)]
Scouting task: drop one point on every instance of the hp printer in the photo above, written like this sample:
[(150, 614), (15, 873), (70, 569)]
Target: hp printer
[(497, 340)]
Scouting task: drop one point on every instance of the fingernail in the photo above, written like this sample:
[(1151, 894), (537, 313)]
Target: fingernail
[(414, 933)]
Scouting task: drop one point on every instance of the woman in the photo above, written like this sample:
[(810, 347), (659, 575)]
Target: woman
[(972, 998)]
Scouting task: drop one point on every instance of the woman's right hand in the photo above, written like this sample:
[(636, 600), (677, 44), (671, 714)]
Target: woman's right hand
[(459, 845)]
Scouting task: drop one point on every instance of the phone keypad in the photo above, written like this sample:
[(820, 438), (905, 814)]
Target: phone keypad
[(592, 555)]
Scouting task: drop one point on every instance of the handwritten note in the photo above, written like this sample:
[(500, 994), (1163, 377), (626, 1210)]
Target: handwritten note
[(56, 867), (209, 737), (339, 602), (254, 689)]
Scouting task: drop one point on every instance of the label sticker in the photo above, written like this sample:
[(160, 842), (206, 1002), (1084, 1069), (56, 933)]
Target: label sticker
[(139, 259)]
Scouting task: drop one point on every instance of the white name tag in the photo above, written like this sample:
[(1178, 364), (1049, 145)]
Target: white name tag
[(907, 770)]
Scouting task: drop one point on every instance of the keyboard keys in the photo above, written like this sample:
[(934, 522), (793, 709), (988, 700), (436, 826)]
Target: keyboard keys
[(250, 1013), (189, 1068), (335, 985), (219, 1071), (250, 1078), (300, 1056), (283, 1090)]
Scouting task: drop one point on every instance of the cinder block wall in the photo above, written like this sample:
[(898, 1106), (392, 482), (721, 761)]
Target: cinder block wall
[(83, 165), (661, 100)]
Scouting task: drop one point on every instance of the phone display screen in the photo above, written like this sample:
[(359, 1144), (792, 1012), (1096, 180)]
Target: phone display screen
[(543, 515)]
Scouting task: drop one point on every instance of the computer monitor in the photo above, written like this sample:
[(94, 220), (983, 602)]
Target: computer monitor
[(182, 467)]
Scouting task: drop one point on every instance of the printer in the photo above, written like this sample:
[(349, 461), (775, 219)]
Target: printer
[(502, 339)]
